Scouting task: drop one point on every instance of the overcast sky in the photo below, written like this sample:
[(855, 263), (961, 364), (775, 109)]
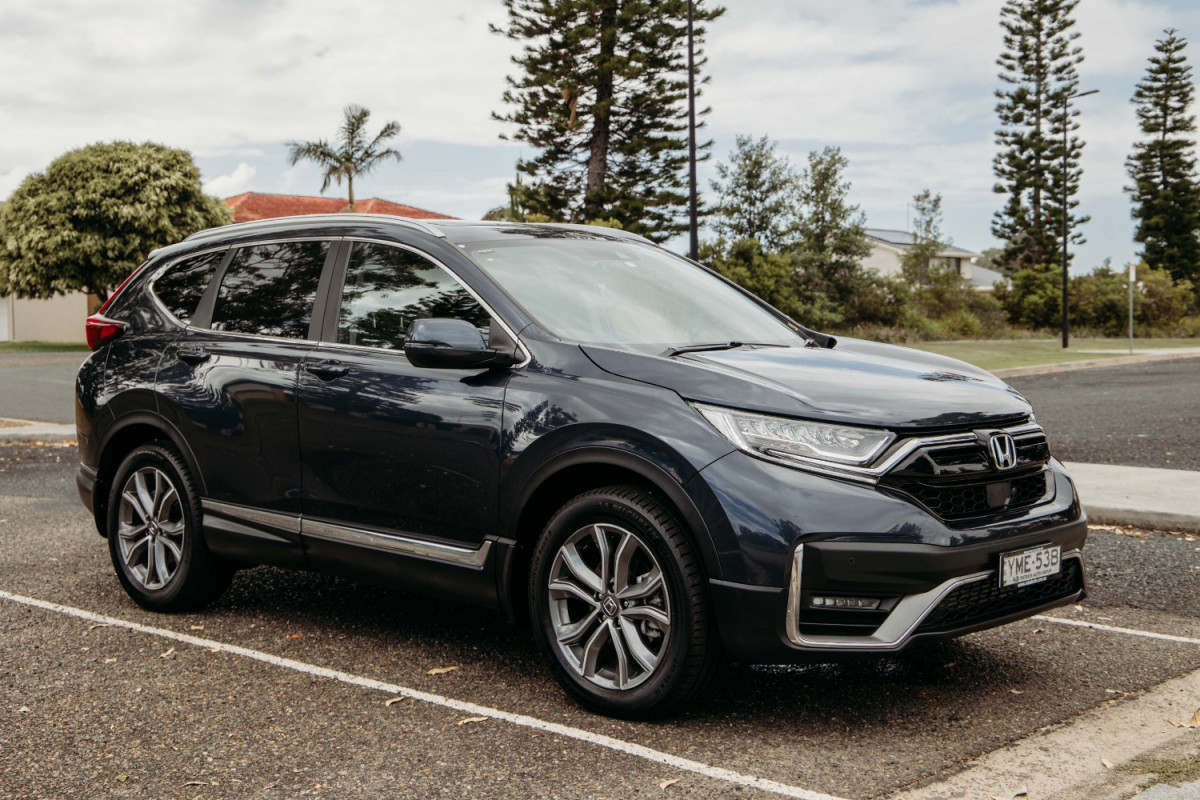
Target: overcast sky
[(904, 87)]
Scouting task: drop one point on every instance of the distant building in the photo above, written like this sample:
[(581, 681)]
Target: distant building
[(888, 248), (60, 318), (253, 205)]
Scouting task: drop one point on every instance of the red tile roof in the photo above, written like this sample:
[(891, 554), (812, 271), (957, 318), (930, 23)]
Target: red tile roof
[(252, 205)]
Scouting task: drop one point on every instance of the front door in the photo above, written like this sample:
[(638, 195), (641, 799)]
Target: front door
[(394, 453)]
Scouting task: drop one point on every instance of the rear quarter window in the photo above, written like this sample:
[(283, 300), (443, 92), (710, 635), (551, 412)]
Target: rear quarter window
[(182, 285)]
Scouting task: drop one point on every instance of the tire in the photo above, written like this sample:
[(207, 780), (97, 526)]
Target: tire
[(619, 607), (154, 536)]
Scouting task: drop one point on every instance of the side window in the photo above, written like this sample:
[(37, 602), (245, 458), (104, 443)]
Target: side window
[(386, 288), (182, 285), (268, 289)]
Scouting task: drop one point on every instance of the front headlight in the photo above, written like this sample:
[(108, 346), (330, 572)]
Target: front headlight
[(792, 439)]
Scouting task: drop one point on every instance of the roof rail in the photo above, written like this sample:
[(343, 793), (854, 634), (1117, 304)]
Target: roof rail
[(282, 222), (599, 229)]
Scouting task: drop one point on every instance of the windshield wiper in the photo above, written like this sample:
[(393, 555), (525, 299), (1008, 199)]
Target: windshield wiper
[(700, 348)]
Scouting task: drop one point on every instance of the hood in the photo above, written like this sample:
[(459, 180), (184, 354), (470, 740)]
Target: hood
[(857, 382)]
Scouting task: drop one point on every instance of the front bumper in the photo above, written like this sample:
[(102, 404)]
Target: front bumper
[(929, 591)]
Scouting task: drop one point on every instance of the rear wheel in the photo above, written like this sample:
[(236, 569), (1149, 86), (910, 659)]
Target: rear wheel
[(619, 605), (154, 535)]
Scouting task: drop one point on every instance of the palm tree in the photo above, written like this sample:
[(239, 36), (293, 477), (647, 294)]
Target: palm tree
[(353, 156)]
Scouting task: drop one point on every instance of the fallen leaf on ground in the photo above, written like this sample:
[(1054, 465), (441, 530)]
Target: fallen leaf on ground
[(99, 625), (1113, 691), (469, 720), (295, 636), (395, 700), (122, 777), (199, 783), (1176, 723), (441, 670), (1106, 763), (110, 661), (1017, 691), (665, 784), (1196, 719), (168, 654), (23, 710), (196, 627)]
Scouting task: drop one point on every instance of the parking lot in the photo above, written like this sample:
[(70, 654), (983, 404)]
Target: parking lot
[(282, 689)]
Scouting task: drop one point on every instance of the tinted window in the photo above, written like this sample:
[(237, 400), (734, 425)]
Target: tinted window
[(182, 285), (387, 288), (269, 289)]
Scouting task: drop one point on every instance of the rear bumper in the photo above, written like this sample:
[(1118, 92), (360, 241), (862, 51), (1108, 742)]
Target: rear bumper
[(85, 483), (925, 591)]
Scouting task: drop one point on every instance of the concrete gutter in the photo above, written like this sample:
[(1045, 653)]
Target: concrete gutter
[(1162, 499)]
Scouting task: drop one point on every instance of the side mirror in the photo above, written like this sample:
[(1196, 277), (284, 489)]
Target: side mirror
[(438, 343)]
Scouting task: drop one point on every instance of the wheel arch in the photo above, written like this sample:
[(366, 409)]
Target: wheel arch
[(570, 474), (127, 433)]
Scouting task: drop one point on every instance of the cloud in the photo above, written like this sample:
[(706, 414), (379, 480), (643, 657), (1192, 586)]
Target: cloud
[(235, 182)]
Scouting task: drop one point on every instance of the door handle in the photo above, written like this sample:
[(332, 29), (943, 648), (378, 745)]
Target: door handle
[(193, 355), (327, 370)]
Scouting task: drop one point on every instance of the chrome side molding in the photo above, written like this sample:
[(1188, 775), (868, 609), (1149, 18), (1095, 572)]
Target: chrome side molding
[(401, 544)]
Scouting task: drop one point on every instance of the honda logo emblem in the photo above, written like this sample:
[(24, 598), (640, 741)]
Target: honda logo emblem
[(1003, 451)]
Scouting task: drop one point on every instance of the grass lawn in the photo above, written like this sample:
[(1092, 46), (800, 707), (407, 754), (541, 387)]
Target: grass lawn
[(994, 354), (41, 347)]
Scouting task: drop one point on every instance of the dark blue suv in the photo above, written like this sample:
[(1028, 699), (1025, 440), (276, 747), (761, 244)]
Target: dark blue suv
[(655, 468)]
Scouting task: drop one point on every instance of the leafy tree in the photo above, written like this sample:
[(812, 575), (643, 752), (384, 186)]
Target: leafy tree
[(353, 155), (759, 195), (832, 238), (1033, 299), (95, 213), (1166, 196), (927, 238), (1038, 70), (600, 94)]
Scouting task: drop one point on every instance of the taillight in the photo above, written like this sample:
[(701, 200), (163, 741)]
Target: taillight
[(101, 329)]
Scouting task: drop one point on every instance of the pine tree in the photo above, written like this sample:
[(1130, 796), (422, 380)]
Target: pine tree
[(1166, 196), (601, 94), (759, 195), (832, 237), (1038, 67), (927, 238)]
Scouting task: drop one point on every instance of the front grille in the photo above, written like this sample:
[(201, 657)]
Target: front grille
[(973, 498), (984, 599), (958, 481)]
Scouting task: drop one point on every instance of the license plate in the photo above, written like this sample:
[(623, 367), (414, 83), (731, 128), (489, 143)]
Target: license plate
[(1031, 565)]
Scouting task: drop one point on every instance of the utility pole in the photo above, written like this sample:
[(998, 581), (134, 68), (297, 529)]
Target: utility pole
[(693, 233), (1066, 209)]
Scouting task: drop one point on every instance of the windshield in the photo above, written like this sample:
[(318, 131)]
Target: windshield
[(613, 292)]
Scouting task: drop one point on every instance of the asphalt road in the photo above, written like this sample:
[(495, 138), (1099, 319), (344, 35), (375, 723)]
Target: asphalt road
[(90, 710), (39, 386), (1143, 415)]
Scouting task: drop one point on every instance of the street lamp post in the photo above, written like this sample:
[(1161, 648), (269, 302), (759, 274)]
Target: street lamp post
[(693, 232), (1066, 210)]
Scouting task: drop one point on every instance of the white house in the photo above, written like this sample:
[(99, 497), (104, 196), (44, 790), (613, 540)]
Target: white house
[(888, 248)]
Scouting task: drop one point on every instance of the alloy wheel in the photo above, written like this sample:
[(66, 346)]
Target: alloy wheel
[(609, 606)]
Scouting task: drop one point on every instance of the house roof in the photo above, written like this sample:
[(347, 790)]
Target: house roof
[(253, 205), (902, 240)]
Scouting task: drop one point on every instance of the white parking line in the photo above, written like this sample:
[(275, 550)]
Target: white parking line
[(621, 746), (1128, 631)]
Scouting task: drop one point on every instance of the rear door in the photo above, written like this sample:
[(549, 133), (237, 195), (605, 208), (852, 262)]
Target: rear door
[(229, 381)]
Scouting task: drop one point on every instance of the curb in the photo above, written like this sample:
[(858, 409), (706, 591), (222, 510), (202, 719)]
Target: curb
[(1145, 497), (1091, 363), (24, 430)]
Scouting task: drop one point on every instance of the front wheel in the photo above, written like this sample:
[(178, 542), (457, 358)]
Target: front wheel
[(154, 535), (619, 605)]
